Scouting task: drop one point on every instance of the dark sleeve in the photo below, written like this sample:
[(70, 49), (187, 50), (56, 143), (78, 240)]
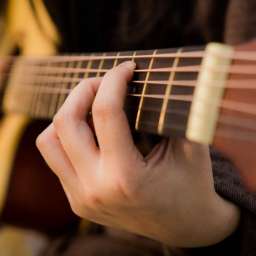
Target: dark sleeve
[(229, 185)]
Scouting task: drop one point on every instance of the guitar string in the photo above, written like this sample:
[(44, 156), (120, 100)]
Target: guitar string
[(195, 54), (225, 119), (167, 69), (226, 133), (233, 69), (226, 104), (236, 129), (231, 83), (32, 59), (245, 107), (231, 130), (237, 55), (236, 133), (38, 60), (240, 122)]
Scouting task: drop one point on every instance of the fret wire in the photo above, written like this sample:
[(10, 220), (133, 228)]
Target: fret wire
[(39, 104), (160, 126), (100, 65), (61, 99), (27, 98), (54, 99), (47, 100), (143, 92), (38, 95), (116, 59), (133, 56), (88, 66), (50, 98), (73, 82), (62, 85), (35, 96)]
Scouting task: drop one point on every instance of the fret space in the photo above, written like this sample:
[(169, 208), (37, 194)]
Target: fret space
[(177, 111)]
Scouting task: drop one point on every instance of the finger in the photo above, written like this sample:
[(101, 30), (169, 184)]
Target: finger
[(110, 121), (54, 155), (71, 126)]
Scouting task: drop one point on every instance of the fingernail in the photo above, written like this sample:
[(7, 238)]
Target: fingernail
[(128, 64)]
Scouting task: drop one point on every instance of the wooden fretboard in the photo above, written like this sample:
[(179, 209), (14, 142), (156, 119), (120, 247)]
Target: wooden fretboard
[(158, 99)]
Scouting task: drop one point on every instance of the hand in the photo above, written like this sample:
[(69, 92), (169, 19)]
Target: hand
[(168, 195)]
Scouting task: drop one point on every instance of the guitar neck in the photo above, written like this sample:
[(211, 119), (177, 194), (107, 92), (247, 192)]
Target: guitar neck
[(161, 90), (205, 95), (173, 92)]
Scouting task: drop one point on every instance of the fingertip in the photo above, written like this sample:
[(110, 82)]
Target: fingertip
[(131, 65), (121, 73), (127, 69)]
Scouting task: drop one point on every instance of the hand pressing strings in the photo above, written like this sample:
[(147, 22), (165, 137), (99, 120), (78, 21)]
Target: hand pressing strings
[(168, 195)]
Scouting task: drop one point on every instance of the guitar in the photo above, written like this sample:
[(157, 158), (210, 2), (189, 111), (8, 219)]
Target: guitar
[(205, 94)]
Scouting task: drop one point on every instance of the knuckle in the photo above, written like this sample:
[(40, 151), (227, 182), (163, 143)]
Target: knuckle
[(125, 188), (104, 110), (93, 200), (46, 137), (60, 119), (41, 140)]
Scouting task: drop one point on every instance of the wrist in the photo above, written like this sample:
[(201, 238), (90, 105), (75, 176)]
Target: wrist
[(224, 221), (216, 219)]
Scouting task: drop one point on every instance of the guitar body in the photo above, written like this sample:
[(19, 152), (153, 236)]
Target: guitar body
[(30, 194)]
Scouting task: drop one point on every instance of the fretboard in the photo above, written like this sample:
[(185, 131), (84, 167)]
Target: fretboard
[(158, 97)]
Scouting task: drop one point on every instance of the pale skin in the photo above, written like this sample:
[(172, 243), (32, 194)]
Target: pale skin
[(168, 195)]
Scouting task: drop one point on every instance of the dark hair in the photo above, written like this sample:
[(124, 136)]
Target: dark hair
[(139, 18), (120, 24)]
